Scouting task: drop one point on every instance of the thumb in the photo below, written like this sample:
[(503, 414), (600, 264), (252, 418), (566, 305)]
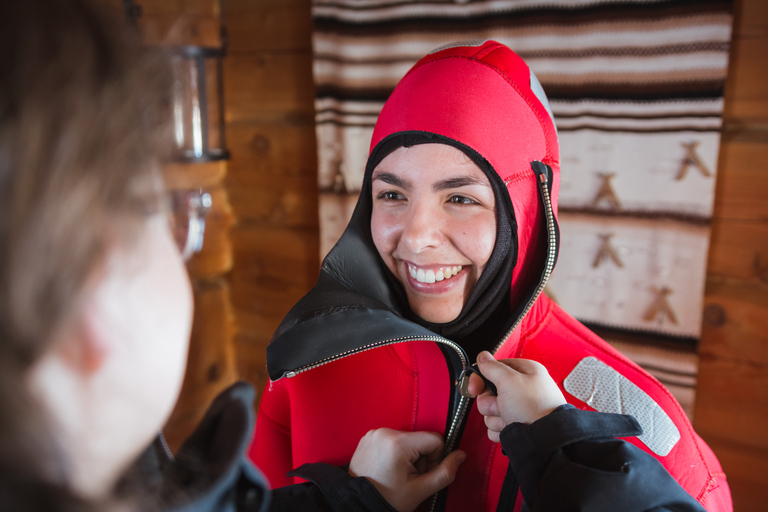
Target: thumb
[(443, 474), (420, 443), (492, 369)]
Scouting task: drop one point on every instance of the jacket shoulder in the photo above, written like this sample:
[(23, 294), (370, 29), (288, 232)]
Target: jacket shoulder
[(596, 376)]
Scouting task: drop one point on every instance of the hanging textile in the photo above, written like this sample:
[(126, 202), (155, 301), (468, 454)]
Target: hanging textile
[(636, 87)]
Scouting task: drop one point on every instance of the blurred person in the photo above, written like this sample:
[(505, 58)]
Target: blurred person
[(96, 304)]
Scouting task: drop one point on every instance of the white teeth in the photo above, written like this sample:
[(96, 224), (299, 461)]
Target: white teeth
[(431, 276)]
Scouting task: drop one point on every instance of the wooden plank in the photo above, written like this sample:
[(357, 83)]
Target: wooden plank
[(739, 250), (275, 268), (279, 149), (181, 29), (282, 257), (165, 22), (272, 169), (735, 325), (269, 25), (251, 360), (197, 175), (269, 86), (746, 96), (278, 202), (210, 364), (732, 399), (731, 405), (745, 469), (750, 18), (731, 402), (742, 180)]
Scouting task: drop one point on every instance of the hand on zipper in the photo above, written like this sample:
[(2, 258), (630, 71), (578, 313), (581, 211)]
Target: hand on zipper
[(526, 392)]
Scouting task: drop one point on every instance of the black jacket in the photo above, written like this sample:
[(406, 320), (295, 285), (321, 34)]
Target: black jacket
[(571, 460), (211, 472)]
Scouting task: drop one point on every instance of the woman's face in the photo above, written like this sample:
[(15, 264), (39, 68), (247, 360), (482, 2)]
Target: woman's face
[(434, 225)]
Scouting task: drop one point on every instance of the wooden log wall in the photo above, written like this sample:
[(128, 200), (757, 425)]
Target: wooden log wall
[(731, 411), (255, 270), (272, 176)]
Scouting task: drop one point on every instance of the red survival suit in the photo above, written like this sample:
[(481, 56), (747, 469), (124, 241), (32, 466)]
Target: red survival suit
[(348, 357)]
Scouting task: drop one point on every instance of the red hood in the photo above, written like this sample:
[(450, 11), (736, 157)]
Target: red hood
[(485, 96)]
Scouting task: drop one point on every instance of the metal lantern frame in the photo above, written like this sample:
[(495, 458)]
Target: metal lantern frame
[(192, 114)]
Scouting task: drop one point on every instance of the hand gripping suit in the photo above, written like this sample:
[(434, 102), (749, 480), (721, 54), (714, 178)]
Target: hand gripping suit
[(351, 356)]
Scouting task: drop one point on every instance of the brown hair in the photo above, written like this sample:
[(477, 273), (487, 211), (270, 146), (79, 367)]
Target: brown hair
[(80, 119)]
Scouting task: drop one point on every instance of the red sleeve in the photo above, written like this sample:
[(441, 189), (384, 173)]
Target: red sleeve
[(271, 446)]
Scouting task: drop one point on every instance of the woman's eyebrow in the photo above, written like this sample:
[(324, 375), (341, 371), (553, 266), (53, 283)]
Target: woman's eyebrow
[(391, 179), (457, 182)]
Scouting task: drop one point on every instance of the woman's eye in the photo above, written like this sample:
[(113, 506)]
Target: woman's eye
[(461, 200), (389, 195)]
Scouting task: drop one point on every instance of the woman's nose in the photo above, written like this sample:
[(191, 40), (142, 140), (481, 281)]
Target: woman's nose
[(422, 229)]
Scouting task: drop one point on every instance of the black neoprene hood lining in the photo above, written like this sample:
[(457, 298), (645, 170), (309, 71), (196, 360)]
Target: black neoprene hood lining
[(492, 289)]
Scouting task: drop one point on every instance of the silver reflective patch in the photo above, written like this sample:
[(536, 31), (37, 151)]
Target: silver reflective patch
[(457, 44), (606, 390), (538, 90)]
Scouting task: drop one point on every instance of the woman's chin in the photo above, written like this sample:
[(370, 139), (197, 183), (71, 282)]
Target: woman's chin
[(436, 313)]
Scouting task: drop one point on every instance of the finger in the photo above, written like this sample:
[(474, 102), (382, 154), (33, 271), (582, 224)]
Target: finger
[(492, 369), (487, 405), (441, 475), (526, 366), (495, 423), (419, 444), (476, 385), (494, 436), (422, 465)]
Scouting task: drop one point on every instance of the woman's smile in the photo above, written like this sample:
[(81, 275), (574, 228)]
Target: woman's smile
[(432, 275)]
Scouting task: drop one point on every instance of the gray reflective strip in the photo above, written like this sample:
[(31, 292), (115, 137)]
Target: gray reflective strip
[(538, 90), (606, 390), (457, 44)]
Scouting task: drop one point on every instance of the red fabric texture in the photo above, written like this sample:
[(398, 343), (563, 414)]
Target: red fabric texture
[(320, 415), (480, 96)]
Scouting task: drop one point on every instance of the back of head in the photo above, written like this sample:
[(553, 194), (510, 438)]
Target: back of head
[(80, 107)]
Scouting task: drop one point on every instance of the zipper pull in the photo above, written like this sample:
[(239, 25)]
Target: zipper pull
[(464, 381)]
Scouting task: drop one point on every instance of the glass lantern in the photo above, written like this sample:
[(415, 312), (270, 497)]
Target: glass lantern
[(198, 104)]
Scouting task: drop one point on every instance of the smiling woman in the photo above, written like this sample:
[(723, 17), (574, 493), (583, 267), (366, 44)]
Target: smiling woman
[(434, 226), (452, 241)]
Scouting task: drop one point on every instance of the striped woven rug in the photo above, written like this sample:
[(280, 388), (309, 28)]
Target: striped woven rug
[(636, 87)]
